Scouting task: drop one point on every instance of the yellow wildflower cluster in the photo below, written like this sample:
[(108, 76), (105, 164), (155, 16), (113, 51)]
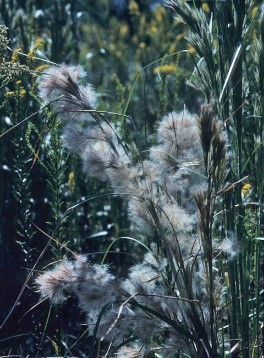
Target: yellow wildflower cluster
[(38, 43), (19, 92)]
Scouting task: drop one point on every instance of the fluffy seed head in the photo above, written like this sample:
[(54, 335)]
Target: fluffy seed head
[(59, 85), (55, 283), (179, 136)]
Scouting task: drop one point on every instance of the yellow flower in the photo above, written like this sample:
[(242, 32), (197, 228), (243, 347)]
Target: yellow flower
[(22, 92), (38, 43), (246, 189), (133, 7), (153, 29), (71, 182), (160, 13), (254, 12), (205, 7), (10, 93), (165, 69), (124, 30)]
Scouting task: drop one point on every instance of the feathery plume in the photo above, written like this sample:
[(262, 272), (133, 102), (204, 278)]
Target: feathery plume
[(130, 352), (55, 283), (59, 86)]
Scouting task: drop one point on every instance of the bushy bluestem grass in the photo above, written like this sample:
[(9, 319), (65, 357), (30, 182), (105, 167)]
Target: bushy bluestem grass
[(201, 283), (228, 225), (176, 284)]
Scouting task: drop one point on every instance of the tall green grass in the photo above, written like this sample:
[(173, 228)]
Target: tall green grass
[(229, 47)]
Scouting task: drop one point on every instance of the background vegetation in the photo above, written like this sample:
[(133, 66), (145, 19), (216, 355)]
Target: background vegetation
[(138, 58)]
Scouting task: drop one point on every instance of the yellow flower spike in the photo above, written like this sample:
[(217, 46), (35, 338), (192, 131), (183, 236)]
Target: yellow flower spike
[(164, 69), (160, 13), (38, 43), (71, 182), (41, 68), (15, 55)]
